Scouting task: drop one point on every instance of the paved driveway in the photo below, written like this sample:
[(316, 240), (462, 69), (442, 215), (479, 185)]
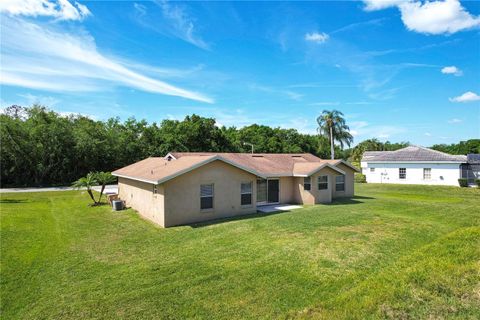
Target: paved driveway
[(113, 188)]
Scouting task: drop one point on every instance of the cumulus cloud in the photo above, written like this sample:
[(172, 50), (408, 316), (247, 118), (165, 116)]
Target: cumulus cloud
[(59, 9), (40, 57), (373, 5), (452, 70), (317, 37), (466, 97), (430, 17)]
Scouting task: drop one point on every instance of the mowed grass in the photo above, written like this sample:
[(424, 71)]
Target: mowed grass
[(400, 252)]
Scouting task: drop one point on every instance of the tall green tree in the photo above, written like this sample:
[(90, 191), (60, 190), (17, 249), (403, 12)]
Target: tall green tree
[(332, 125)]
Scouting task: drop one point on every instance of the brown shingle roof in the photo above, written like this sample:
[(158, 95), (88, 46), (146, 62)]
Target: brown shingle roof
[(158, 170), (267, 164), (309, 168)]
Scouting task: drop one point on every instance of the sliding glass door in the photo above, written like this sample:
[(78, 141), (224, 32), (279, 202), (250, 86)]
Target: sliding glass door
[(261, 191), (268, 191)]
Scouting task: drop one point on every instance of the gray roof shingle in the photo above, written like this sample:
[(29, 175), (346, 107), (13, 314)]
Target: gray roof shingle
[(412, 153)]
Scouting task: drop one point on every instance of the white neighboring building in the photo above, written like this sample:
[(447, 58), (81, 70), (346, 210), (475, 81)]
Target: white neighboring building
[(412, 165)]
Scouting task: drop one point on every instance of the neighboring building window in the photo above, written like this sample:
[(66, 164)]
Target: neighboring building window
[(427, 173), (322, 182), (206, 196), (155, 190), (246, 193), (340, 183), (402, 173), (372, 169), (307, 183)]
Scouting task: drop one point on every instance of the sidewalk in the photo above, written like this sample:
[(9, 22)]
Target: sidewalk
[(113, 188)]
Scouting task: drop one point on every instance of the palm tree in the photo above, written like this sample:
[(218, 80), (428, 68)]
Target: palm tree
[(88, 182), (103, 178), (332, 125)]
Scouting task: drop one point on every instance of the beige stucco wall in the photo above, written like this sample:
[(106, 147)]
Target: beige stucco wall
[(182, 194), (139, 196), (314, 196), (286, 189), (349, 185)]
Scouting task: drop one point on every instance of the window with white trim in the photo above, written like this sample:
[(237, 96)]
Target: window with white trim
[(427, 173), (246, 193), (372, 169), (307, 183), (340, 183), (322, 182), (402, 173), (206, 196)]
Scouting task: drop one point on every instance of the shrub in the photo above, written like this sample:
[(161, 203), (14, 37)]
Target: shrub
[(360, 178), (477, 182), (463, 182)]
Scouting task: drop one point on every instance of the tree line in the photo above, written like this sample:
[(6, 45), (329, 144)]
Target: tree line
[(40, 147)]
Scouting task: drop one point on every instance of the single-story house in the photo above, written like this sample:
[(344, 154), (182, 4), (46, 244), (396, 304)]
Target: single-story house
[(183, 188), (417, 165)]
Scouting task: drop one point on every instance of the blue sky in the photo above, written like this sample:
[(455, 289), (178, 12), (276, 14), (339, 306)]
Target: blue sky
[(398, 70)]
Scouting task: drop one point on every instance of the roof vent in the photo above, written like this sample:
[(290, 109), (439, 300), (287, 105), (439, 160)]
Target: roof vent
[(257, 155), (296, 156)]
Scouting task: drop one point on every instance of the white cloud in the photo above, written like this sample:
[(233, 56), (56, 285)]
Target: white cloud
[(67, 114), (466, 97), (452, 70), (59, 9), (182, 25), (41, 57), (317, 37), (288, 93), (454, 120), (294, 95), (373, 5), (430, 17), (31, 99), (365, 130), (428, 134)]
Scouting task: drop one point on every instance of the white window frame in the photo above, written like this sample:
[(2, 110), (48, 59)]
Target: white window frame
[(427, 176), (318, 182), (404, 173), (212, 196), (309, 183), (340, 183), (250, 193)]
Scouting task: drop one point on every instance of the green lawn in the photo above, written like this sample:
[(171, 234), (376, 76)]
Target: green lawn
[(404, 252)]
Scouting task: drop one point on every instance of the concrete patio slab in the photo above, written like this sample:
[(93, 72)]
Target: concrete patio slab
[(277, 207)]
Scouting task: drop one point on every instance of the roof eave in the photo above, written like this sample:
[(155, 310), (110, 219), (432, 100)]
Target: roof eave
[(134, 178)]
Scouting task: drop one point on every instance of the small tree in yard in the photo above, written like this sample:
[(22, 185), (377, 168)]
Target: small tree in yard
[(87, 182), (103, 178)]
